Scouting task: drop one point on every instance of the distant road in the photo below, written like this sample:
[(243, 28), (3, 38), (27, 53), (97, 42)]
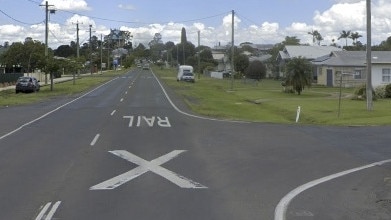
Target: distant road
[(130, 150)]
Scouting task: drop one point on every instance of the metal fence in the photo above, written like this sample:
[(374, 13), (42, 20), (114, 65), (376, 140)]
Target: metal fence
[(9, 77)]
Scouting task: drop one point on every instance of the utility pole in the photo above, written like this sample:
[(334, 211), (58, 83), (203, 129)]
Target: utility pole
[(46, 44), (101, 53), (199, 53), (77, 52), (90, 51), (369, 58), (232, 50)]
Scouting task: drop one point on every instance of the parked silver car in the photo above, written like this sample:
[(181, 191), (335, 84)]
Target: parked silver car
[(27, 84)]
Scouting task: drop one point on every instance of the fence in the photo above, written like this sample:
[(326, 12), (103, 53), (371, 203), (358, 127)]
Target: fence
[(9, 77)]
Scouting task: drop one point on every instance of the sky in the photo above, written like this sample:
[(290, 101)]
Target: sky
[(255, 21)]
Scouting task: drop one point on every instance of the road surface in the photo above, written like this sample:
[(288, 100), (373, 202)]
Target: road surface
[(130, 149)]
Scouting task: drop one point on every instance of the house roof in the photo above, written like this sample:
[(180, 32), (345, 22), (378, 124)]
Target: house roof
[(308, 52), (353, 58)]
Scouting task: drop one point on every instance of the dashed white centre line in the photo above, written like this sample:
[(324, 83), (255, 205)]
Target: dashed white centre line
[(113, 112), (93, 142), (122, 99)]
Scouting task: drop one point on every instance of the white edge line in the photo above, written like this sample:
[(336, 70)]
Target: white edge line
[(53, 210), (185, 113), (93, 142), (282, 207), (43, 211), (48, 113)]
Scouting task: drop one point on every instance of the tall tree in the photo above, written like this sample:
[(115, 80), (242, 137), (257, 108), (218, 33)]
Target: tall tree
[(299, 72), (241, 63), (291, 41), (344, 34), (256, 70), (28, 55), (354, 36), (316, 36), (183, 36)]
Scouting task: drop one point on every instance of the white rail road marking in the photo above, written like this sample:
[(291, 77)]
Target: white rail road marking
[(145, 166), (150, 121), (44, 214)]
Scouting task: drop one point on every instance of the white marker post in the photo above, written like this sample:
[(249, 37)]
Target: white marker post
[(298, 114)]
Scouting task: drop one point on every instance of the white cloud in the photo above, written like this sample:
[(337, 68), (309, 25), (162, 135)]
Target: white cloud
[(126, 7), (343, 15), (351, 15), (74, 5)]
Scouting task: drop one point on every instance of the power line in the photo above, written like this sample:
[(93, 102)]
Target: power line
[(22, 22), (138, 22)]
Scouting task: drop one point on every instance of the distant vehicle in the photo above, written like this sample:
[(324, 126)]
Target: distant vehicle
[(27, 84), (185, 73), (146, 67)]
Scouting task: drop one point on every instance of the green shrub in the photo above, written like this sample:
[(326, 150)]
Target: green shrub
[(361, 93), (380, 92), (387, 92)]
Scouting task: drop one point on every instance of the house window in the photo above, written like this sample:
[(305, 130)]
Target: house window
[(386, 75), (357, 74)]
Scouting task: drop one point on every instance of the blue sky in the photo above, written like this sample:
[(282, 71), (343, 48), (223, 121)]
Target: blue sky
[(257, 21)]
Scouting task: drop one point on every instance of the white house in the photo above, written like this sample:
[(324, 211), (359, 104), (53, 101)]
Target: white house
[(349, 67)]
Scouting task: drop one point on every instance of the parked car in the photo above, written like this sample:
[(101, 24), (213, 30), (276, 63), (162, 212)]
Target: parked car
[(27, 84)]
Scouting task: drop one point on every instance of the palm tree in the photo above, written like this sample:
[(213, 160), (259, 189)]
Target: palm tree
[(346, 35), (354, 36), (299, 72), (316, 36)]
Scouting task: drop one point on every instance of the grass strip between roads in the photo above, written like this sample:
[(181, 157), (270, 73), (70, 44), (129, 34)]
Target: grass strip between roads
[(265, 101)]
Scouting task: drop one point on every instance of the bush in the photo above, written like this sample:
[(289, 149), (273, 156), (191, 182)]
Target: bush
[(380, 92), (387, 92), (361, 93)]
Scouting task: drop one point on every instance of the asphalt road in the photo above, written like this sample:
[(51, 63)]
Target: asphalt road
[(130, 150)]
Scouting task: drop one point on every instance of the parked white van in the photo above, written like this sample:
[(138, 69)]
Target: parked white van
[(185, 73)]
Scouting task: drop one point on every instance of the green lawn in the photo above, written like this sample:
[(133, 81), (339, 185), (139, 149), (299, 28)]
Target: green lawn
[(82, 84), (266, 102)]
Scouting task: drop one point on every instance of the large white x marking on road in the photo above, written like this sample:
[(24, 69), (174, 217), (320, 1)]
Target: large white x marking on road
[(145, 166)]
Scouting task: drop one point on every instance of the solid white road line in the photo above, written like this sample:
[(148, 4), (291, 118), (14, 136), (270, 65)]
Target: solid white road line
[(48, 113), (43, 211), (280, 211), (93, 142), (53, 210), (50, 214), (145, 166), (185, 113)]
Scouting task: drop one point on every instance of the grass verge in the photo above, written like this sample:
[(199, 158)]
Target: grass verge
[(67, 88), (266, 102)]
